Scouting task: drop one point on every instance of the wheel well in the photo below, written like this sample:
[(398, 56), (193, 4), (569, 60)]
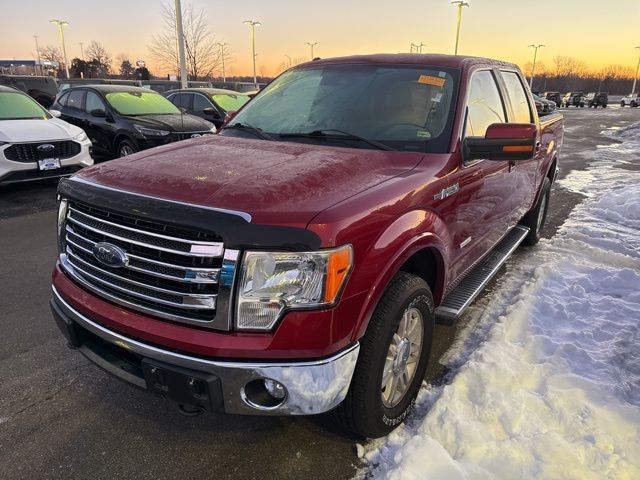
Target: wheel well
[(424, 264), (120, 137), (551, 174)]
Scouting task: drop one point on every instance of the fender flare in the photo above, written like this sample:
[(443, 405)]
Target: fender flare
[(414, 243)]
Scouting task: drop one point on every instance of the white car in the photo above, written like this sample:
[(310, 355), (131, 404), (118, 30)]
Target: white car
[(34, 144), (632, 100)]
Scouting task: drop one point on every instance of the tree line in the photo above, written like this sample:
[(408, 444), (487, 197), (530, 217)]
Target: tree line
[(566, 74)]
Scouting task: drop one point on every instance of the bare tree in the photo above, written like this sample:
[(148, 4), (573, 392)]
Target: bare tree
[(98, 56), (290, 62), (50, 53), (202, 53)]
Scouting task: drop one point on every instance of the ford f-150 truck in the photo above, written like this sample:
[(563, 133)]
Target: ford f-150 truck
[(296, 262)]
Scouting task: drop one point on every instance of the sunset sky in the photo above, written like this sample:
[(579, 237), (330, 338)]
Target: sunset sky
[(596, 32)]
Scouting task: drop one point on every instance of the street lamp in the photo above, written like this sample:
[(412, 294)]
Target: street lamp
[(418, 46), (81, 50), (61, 24), (533, 66), (635, 78), (461, 4), (38, 53), (222, 45), (311, 45), (252, 25), (184, 80)]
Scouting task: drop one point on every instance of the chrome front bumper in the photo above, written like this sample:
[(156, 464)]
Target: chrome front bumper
[(312, 386)]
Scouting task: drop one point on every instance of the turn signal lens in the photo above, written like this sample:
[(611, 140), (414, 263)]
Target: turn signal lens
[(337, 270), (517, 148)]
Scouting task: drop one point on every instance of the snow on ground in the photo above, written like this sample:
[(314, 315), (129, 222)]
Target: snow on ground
[(547, 381)]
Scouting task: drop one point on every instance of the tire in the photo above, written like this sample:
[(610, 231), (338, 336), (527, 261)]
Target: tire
[(368, 410), (622, 104), (537, 216), (634, 104), (126, 147)]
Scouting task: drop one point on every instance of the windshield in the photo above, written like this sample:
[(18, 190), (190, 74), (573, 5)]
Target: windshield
[(16, 106), (406, 108), (140, 103), (230, 102)]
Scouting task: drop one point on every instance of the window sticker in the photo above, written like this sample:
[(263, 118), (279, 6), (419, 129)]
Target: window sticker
[(437, 98), (431, 80), (424, 134)]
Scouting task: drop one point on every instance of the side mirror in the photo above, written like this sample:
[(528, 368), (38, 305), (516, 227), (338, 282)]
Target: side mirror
[(229, 116), (55, 113), (211, 112), (98, 112), (503, 141)]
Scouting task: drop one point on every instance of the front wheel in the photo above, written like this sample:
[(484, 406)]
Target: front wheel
[(537, 216), (393, 359), (622, 104), (126, 147)]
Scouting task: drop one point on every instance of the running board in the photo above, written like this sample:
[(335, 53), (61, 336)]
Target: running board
[(457, 301)]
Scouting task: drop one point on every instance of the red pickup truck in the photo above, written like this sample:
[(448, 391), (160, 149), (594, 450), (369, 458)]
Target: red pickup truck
[(296, 263)]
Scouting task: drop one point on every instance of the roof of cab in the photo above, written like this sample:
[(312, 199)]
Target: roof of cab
[(452, 61)]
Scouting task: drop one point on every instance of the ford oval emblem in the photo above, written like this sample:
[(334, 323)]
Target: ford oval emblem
[(46, 147), (110, 255)]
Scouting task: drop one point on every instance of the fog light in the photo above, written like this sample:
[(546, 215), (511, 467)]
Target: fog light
[(275, 389)]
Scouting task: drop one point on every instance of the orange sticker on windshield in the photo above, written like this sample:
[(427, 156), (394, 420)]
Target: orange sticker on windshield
[(431, 80)]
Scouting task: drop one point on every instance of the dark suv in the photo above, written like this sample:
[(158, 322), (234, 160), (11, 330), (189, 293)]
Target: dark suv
[(212, 104), (122, 120), (598, 99), (42, 89)]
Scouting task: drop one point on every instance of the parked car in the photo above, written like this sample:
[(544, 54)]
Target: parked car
[(554, 97), (34, 144), (122, 120), (546, 106), (43, 89), (597, 99), (573, 99), (212, 104), (74, 82), (296, 262), (242, 87), (162, 86), (633, 100)]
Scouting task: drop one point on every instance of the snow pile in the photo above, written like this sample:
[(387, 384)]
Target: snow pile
[(553, 390)]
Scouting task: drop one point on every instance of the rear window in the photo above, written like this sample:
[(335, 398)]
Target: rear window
[(140, 103), (16, 106)]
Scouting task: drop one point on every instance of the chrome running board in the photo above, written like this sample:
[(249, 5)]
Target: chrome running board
[(457, 301)]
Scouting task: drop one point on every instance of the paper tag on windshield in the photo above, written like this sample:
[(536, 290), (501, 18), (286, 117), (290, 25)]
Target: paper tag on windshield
[(437, 98), (423, 134), (431, 80)]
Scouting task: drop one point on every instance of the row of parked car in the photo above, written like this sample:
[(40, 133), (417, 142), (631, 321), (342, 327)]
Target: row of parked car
[(102, 121), (592, 99), (44, 89)]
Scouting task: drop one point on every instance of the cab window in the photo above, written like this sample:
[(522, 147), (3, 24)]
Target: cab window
[(75, 99), (93, 102), (518, 97), (484, 106)]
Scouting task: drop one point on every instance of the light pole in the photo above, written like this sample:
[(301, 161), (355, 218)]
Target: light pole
[(311, 45), (38, 53), (419, 47), (252, 25), (82, 51), (635, 78), (533, 66), (222, 45), (61, 24), (184, 81), (461, 4)]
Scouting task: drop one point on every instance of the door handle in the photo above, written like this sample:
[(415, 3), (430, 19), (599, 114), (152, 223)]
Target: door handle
[(538, 147)]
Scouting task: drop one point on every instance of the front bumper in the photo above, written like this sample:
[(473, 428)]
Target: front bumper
[(312, 387)]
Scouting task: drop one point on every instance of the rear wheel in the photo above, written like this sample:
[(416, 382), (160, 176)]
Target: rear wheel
[(622, 103), (537, 216), (634, 104), (393, 359)]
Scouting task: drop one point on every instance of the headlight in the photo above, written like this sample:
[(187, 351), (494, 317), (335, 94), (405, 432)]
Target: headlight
[(214, 129), (62, 216), (81, 137), (151, 132), (273, 282)]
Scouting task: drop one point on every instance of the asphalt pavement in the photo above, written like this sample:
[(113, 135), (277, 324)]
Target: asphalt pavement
[(63, 418)]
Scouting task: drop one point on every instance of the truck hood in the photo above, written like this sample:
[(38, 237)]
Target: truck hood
[(17, 131), (280, 183)]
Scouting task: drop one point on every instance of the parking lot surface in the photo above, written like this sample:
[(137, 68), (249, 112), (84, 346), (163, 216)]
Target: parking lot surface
[(61, 417)]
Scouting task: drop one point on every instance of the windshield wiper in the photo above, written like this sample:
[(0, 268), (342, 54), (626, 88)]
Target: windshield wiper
[(258, 132), (332, 133)]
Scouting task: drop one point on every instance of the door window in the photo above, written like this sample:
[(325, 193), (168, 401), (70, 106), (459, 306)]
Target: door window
[(484, 106), (75, 99), (518, 97), (200, 103), (93, 102)]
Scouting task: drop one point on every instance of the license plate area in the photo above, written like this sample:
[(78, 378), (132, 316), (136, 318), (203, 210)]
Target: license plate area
[(182, 385), (49, 164)]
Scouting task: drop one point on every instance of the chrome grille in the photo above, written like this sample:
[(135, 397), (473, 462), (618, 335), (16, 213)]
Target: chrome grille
[(170, 272)]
